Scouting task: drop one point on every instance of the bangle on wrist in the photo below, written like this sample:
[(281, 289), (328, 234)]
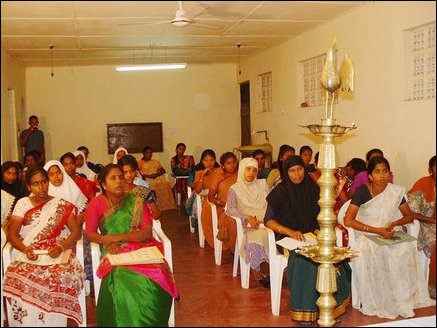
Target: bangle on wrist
[(62, 247)]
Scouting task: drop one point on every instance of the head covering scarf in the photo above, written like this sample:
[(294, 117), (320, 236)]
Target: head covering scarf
[(18, 187), (296, 205), (252, 194), (11, 188), (68, 190), (84, 169), (114, 161)]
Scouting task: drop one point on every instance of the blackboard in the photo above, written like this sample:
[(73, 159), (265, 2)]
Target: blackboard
[(134, 137)]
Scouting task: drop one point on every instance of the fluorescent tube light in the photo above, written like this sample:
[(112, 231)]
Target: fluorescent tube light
[(150, 67)]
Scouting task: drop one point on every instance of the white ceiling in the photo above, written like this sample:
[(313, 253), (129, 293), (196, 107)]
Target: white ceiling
[(92, 32)]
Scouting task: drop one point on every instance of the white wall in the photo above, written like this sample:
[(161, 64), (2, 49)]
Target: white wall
[(373, 38), (198, 106), (13, 77)]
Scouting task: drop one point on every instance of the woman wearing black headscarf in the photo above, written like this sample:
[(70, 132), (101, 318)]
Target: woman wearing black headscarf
[(292, 211), (11, 183)]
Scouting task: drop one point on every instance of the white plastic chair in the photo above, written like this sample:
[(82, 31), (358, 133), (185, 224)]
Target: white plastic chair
[(159, 235), (192, 230), (178, 195), (203, 194), (7, 257), (217, 243), (277, 263), (244, 265)]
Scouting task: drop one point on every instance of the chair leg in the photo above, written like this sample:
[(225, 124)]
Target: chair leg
[(171, 321), (217, 251), (276, 276), (192, 230), (201, 235), (236, 259), (245, 273)]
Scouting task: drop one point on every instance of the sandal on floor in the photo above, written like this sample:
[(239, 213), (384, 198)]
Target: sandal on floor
[(265, 282)]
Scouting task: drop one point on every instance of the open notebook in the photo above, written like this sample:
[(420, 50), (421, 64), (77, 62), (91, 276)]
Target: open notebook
[(146, 255), (291, 243), (397, 238), (44, 258)]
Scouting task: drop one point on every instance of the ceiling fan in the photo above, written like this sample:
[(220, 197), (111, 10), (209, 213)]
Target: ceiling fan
[(182, 19)]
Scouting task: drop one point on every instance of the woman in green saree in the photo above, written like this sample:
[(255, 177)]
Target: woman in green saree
[(130, 295)]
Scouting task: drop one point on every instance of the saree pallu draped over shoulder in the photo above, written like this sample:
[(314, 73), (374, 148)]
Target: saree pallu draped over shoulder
[(133, 295), (48, 289), (389, 280)]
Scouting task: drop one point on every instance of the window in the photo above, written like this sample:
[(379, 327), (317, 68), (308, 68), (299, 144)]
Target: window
[(265, 92), (311, 92), (419, 65)]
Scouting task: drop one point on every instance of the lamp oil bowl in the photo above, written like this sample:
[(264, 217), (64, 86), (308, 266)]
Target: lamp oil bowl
[(339, 254), (335, 130)]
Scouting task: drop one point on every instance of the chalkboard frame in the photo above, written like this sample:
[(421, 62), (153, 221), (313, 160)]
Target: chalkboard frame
[(134, 136)]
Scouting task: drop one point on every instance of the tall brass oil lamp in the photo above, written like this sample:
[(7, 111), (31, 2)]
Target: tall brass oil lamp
[(326, 253)]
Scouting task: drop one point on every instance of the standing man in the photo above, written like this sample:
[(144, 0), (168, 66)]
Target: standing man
[(32, 139)]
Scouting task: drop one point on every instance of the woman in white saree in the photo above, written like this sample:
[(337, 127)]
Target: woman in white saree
[(43, 294), (389, 279)]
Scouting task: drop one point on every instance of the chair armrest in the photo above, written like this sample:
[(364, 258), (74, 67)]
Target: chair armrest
[(159, 235)]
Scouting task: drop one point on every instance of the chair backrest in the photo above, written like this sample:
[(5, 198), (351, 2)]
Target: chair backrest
[(350, 232)]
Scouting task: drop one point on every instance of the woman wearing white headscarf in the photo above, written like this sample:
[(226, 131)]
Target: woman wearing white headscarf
[(247, 200), (62, 186), (118, 154), (82, 166)]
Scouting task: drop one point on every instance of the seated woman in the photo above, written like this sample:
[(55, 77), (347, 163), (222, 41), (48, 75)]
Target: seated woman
[(82, 166), (362, 177), (202, 181), (202, 178), (43, 295), (275, 175), (222, 179), (129, 166), (345, 177), (247, 200), (421, 199), (389, 279), (88, 187), (134, 295), (153, 172), (260, 156), (292, 211), (119, 153), (182, 165), (62, 186), (11, 182)]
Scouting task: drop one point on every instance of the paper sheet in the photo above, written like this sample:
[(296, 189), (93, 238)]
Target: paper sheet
[(291, 243), (146, 255)]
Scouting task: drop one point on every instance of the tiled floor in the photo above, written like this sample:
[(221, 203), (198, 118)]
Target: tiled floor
[(210, 296)]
